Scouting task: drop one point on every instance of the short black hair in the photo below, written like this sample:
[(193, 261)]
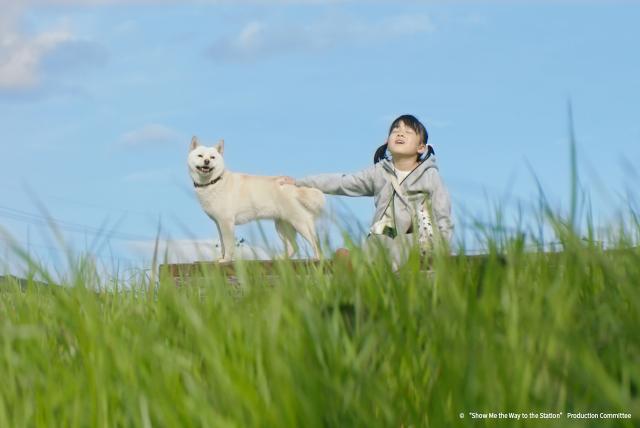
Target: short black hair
[(413, 123)]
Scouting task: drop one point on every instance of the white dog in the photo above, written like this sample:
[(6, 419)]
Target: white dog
[(230, 198)]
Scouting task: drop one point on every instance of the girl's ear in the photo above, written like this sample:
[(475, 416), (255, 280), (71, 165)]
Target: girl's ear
[(425, 153), (428, 152), (194, 143), (220, 146)]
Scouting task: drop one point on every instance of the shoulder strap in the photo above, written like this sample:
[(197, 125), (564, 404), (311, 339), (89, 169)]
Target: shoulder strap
[(391, 178)]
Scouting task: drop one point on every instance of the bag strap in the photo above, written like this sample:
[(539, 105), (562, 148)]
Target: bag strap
[(391, 178)]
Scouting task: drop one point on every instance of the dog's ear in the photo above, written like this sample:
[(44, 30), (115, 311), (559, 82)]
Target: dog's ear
[(220, 146), (194, 143)]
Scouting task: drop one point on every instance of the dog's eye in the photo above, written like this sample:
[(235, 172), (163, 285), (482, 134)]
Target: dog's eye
[(213, 157), (199, 156)]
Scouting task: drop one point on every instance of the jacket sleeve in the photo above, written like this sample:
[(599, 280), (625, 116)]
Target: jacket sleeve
[(441, 205), (356, 184)]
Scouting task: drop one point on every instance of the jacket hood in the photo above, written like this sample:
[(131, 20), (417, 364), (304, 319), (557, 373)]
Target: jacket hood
[(417, 172)]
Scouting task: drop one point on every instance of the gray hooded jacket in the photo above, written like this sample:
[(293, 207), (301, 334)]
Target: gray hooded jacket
[(373, 181)]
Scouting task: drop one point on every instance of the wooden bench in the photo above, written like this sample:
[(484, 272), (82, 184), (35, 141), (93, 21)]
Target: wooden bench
[(181, 273)]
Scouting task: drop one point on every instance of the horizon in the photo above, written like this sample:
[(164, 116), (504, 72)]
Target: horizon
[(99, 103)]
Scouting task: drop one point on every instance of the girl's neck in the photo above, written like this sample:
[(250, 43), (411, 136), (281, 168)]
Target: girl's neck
[(406, 164)]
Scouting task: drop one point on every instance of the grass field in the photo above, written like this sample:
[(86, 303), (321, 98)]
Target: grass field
[(520, 331)]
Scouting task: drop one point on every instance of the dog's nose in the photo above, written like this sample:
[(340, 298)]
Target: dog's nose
[(206, 161)]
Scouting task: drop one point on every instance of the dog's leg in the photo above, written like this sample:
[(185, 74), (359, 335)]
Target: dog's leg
[(288, 235), (306, 228), (227, 239), (313, 240), (219, 237)]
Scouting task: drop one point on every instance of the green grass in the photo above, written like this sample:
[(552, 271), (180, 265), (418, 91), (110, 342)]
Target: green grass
[(515, 332)]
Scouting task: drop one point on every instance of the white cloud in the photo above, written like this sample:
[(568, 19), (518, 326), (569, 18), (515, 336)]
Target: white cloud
[(152, 2), (475, 19), (27, 60), (188, 251), (21, 57), (260, 39), (150, 135)]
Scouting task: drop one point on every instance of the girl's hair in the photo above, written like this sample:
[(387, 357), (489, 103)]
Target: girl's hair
[(413, 123)]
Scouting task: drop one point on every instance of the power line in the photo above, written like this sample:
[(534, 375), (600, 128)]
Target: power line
[(45, 221), (94, 206), (102, 255)]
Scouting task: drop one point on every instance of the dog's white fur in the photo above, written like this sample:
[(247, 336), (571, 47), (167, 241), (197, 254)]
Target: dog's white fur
[(239, 198)]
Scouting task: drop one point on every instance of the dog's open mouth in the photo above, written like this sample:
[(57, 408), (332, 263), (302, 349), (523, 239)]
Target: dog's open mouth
[(204, 169)]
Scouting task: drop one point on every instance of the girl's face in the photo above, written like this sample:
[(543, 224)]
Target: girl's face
[(403, 141)]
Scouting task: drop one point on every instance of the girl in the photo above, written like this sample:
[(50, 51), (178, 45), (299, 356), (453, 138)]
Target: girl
[(410, 197)]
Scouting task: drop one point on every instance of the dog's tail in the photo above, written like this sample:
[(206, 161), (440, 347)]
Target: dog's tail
[(312, 199)]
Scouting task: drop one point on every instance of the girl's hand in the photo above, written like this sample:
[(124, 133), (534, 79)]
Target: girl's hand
[(285, 180)]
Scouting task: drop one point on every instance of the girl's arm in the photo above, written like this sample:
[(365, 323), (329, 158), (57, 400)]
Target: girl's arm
[(441, 204), (356, 184)]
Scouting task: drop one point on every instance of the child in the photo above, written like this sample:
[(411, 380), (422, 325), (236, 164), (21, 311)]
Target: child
[(407, 190)]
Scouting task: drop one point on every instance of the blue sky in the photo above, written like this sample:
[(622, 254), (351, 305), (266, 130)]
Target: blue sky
[(99, 99)]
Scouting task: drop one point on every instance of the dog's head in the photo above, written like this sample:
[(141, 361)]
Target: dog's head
[(205, 163)]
